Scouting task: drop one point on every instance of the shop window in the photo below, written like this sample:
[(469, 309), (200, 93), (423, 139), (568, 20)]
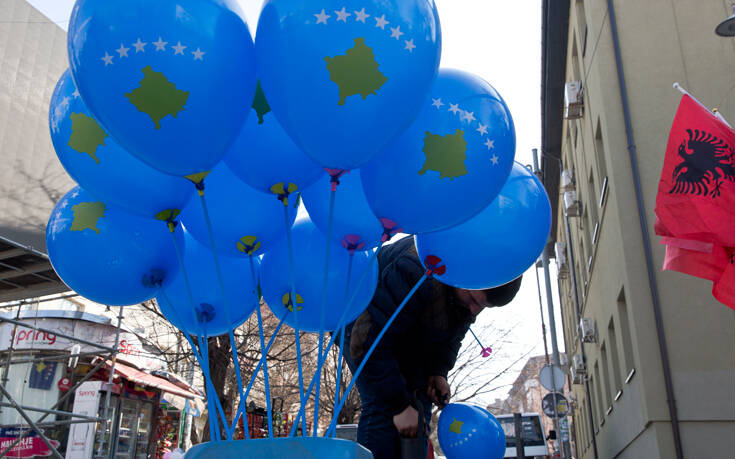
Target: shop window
[(32, 384), (625, 336)]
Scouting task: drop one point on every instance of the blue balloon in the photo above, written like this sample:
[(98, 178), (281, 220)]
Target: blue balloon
[(106, 254), (244, 221), (450, 163), (498, 244), (211, 315), (470, 431), (170, 80), (264, 156), (309, 249), (354, 225), (345, 77), (101, 166)]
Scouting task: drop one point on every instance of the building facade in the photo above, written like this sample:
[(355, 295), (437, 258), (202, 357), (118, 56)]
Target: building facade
[(654, 374)]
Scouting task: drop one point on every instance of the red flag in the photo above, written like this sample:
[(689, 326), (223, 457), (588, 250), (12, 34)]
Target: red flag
[(699, 259), (696, 193), (724, 288)]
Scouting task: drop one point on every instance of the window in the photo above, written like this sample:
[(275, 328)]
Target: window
[(593, 404), (598, 394), (582, 24), (625, 336), (615, 360), (606, 376), (601, 164), (592, 206)]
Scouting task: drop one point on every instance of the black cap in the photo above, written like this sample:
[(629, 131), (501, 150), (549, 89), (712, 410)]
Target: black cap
[(500, 296)]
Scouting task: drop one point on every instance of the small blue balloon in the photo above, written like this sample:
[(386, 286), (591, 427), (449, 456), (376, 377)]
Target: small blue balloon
[(264, 156), (106, 254), (309, 249), (470, 431), (172, 81), (354, 225), (211, 314), (244, 221), (450, 163), (498, 244), (345, 77), (101, 166)]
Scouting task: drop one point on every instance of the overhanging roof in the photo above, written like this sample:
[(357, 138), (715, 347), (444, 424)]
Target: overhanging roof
[(26, 273), (555, 33)]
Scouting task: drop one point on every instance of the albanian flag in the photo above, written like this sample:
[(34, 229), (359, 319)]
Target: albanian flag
[(695, 204)]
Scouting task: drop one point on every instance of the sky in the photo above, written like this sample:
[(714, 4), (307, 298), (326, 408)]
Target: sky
[(500, 41)]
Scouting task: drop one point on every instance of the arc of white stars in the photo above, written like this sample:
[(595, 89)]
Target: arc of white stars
[(361, 15), (494, 159), (75, 94), (482, 129), (395, 32), (467, 116), (342, 14), (178, 48), (437, 103), (198, 54), (489, 144), (107, 59), (139, 46), (160, 44), (454, 108), (409, 45), (122, 51), (322, 17), (381, 22)]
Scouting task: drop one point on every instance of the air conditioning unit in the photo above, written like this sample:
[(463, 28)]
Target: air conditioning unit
[(573, 100), (567, 180), (577, 377), (578, 364), (588, 330), (572, 207), (560, 251)]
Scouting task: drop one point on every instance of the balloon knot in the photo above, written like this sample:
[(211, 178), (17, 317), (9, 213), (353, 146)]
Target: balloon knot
[(352, 242), (153, 278), (288, 304), (248, 245), (433, 265), (205, 313), (283, 191), (390, 229), (335, 175), (169, 216)]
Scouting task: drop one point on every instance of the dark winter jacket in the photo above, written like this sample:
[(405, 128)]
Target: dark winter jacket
[(424, 339)]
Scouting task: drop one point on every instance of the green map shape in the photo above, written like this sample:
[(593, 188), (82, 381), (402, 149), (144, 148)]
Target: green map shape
[(445, 154), (86, 215), (260, 104), (355, 72), (86, 135), (157, 97)]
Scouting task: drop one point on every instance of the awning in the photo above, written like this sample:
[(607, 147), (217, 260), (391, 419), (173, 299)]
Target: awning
[(26, 273), (145, 379)]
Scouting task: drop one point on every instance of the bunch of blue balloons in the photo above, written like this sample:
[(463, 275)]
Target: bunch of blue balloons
[(192, 165)]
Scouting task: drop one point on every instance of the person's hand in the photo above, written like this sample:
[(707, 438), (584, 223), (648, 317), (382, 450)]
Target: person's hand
[(438, 391), (407, 422)]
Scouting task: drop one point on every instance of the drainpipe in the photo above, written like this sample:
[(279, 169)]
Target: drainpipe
[(661, 335)]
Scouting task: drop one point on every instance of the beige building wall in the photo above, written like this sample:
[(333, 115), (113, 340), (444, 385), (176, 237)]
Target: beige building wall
[(32, 58), (661, 42)]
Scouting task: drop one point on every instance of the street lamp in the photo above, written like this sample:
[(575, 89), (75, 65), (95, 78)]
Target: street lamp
[(726, 28)]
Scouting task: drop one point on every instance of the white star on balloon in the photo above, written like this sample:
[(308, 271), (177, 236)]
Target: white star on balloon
[(489, 143), (454, 108), (396, 32), (381, 22), (160, 44), (179, 49), (342, 14), (139, 46), (482, 129), (494, 159), (437, 102), (122, 51), (467, 116), (64, 102), (75, 94), (322, 17), (107, 59), (361, 15), (409, 45), (198, 54)]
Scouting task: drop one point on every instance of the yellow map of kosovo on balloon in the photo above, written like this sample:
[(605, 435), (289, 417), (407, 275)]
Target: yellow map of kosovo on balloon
[(86, 135), (445, 154), (86, 215), (157, 97), (355, 72)]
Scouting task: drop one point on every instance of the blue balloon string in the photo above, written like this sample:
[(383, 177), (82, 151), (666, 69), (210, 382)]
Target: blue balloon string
[(338, 381), (340, 323), (218, 267), (262, 361), (295, 307), (262, 350), (477, 339), (213, 425), (333, 424), (330, 220)]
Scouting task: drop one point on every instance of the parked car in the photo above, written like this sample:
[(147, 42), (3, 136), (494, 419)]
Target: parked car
[(534, 439)]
